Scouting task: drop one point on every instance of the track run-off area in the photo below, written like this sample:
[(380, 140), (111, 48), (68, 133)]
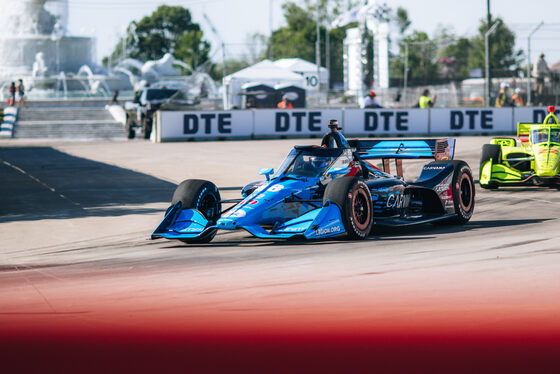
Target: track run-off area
[(82, 285)]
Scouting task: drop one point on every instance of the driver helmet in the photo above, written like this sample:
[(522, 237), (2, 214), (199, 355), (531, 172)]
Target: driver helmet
[(318, 162)]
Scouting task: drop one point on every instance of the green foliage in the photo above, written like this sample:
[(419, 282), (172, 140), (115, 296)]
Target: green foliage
[(297, 39), (423, 66), (169, 29), (425, 55), (402, 19), (503, 58), (461, 52)]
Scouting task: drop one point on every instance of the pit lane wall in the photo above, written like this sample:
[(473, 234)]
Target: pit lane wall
[(277, 123)]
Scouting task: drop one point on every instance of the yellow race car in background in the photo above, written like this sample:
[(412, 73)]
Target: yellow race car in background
[(533, 158)]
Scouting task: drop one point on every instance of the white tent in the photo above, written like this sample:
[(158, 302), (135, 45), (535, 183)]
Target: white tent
[(305, 68), (264, 72)]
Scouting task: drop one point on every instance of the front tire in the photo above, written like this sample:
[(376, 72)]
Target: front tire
[(203, 196), (354, 200)]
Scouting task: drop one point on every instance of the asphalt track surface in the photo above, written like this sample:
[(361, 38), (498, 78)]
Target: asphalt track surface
[(82, 289)]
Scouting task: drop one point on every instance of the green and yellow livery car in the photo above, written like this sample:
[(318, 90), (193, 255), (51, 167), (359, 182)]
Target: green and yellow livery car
[(533, 158)]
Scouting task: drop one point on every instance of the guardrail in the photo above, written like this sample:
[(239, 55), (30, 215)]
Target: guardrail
[(277, 123), (8, 121)]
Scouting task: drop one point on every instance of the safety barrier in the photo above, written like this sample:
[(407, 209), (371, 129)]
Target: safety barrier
[(277, 123), (8, 120)]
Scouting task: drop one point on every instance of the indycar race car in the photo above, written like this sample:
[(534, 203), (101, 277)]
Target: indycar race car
[(533, 158), (328, 192)]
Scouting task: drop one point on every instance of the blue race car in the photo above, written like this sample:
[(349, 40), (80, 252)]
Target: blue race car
[(323, 192)]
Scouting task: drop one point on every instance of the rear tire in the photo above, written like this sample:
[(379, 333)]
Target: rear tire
[(129, 127), (494, 152), (354, 200), (203, 196), (463, 190), (147, 127)]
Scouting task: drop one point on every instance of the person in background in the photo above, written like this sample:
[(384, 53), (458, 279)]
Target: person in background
[(517, 97), (285, 103), (115, 99), (334, 138), (503, 100), (371, 102), (540, 70), (20, 90), (426, 101), (251, 103), (12, 94)]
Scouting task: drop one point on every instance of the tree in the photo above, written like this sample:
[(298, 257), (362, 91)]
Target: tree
[(402, 20), (504, 60), (298, 38), (169, 29), (423, 58)]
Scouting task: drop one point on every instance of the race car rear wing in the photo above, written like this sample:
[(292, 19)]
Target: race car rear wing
[(524, 129), (438, 149)]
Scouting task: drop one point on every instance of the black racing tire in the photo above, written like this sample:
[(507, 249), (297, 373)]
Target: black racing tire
[(494, 152), (129, 127), (354, 200), (463, 189), (147, 127), (203, 196)]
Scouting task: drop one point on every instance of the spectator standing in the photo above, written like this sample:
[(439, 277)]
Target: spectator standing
[(12, 94), (371, 102), (503, 100), (517, 97), (20, 89), (540, 70), (115, 99), (285, 103), (426, 101)]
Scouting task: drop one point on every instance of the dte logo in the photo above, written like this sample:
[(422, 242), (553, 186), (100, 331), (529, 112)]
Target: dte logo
[(540, 114), (472, 118), (191, 123), (371, 120), (284, 121)]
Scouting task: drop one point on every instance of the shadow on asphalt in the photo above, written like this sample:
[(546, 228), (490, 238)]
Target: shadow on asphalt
[(44, 183), (450, 228), (414, 232)]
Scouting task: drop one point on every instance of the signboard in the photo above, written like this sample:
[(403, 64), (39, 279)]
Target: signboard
[(385, 121), (178, 125), (471, 120), (294, 122), (354, 122), (530, 115)]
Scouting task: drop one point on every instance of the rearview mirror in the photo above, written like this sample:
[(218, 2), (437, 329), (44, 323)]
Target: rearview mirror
[(266, 172)]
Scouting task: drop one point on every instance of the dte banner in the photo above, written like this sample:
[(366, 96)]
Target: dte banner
[(385, 121), (354, 122), (471, 120), (294, 122), (177, 125), (531, 115)]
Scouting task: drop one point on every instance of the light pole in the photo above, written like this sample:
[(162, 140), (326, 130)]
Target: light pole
[(405, 96), (487, 53), (488, 26), (529, 61), (318, 53), (270, 13)]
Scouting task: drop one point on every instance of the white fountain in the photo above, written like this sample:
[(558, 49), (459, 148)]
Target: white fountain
[(30, 27), (36, 47)]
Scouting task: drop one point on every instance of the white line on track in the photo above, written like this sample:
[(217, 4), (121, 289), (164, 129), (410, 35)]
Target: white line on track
[(39, 181)]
